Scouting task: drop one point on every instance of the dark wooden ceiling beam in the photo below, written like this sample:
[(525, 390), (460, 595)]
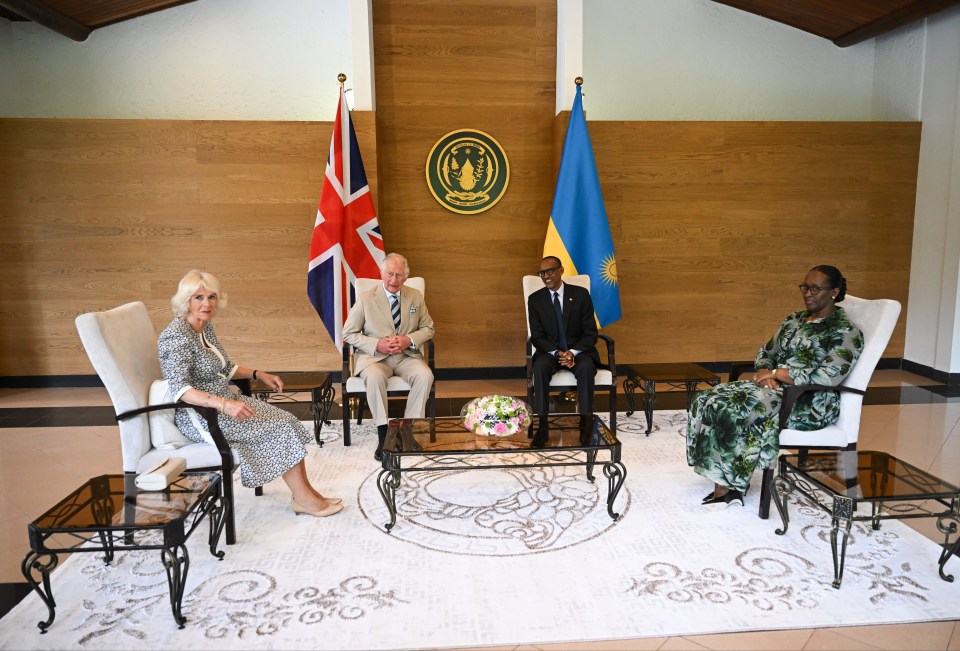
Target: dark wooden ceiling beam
[(907, 14), (43, 14)]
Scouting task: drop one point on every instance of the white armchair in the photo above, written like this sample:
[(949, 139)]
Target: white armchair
[(122, 346), (876, 319)]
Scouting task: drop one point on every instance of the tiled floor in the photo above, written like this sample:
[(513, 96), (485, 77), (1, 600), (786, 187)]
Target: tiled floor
[(46, 451)]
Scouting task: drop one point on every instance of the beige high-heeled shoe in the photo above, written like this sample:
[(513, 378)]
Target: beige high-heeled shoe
[(334, 500), (330, 510)]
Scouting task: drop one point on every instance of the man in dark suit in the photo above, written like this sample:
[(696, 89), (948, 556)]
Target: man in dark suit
[(565, 340)]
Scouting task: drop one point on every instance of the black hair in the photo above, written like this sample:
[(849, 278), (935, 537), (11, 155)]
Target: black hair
[(552, 257), (836, 280)]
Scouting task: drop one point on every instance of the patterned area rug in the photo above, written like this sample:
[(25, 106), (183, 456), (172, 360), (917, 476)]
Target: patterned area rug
[(495, 557)]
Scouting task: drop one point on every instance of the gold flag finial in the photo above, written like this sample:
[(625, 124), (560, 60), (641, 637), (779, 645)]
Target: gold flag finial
[(341, 78), (578, 81)]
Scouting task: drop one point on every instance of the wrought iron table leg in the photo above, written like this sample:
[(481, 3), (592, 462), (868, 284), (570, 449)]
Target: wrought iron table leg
[(629, 387), (780, 487), (176, 561), (616, 473), (947, 524), (102, 510), (591, 461), (842, 515), (32, 563), (322, 401), (649, 397), (218, 518), (388, 481)]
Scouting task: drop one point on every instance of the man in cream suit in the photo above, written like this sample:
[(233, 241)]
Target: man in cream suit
[(387, 326)]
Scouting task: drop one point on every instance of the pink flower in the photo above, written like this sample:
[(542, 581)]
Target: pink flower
[(500, 428)]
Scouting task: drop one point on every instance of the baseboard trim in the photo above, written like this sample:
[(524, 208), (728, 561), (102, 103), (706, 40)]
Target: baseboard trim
[(449, 374), (943, 377)]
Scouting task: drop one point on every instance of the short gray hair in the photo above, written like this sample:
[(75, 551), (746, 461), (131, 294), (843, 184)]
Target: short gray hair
[(396, 256), (189, 285)]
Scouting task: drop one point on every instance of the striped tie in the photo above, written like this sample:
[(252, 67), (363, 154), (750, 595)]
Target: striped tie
[(395, 308)]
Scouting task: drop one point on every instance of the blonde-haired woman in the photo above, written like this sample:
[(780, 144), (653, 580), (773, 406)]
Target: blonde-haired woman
[(269, 441)]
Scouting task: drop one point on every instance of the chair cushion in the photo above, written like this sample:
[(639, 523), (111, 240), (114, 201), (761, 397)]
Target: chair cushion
[(198, 455), (565, 378), (394, 383), (164, 433)]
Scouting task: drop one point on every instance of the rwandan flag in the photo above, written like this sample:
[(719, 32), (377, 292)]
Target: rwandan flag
[(578, 232)]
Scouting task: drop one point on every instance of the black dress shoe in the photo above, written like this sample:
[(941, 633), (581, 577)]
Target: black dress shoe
[(540, 438), (378, 455)]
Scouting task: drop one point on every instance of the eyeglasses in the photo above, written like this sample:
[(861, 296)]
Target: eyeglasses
[(543, 273), (813, 289)]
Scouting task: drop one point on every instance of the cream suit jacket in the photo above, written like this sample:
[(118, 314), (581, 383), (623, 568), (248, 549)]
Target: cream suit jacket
[(370, 320)]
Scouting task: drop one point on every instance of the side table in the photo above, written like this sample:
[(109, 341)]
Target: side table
[(110, 514), (837, 482), (320, 386), (685, 376)]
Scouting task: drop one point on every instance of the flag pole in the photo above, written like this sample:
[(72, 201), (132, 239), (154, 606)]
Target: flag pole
[(572, 396)]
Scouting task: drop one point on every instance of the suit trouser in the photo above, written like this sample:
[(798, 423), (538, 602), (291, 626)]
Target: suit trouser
[(412, 369), (584, 369)]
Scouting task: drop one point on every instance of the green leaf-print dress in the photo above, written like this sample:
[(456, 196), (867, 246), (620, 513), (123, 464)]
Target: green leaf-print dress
[(733, 428)]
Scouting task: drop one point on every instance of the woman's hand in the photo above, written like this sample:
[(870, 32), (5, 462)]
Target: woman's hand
[(271, 380), (237, 409), (766, 379)]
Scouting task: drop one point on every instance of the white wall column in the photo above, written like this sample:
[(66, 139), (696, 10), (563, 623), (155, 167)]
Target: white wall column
[(569, 51), (933, 313), (361, 45)]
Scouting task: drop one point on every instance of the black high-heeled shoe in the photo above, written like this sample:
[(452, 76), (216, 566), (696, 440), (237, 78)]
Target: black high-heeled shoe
[(722, 502)]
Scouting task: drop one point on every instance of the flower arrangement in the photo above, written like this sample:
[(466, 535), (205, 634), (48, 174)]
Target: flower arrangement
[(496, 415)]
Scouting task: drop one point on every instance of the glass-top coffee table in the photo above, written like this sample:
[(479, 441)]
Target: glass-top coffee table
[(432, 444), (840, 481), (110, 514)]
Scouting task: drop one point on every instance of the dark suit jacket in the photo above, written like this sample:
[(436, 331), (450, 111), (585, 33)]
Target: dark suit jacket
[(578, 321)]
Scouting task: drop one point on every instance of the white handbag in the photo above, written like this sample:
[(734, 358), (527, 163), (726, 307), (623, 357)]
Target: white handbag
[(162, 475)]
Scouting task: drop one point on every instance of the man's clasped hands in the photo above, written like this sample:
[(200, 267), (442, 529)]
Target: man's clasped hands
[(394, 344)]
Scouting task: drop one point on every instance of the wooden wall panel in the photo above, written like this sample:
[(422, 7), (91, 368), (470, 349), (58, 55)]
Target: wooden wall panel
[(715, 223), (101, 212), (467, 65)]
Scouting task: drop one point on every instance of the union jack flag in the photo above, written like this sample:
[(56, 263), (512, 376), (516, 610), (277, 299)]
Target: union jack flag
[(346, 243)]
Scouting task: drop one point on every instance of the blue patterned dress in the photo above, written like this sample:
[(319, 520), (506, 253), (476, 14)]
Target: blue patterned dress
[(268, 444), (734, 427)]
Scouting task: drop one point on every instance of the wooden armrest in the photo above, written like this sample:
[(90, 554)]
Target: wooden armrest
[(793, 391), (611, 363), (209, 414)]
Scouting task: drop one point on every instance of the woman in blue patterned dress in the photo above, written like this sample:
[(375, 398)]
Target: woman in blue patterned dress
[(269, 441), (734, 427)]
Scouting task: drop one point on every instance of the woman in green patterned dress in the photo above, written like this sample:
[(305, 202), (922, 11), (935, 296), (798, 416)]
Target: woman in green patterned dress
[(734, 427)]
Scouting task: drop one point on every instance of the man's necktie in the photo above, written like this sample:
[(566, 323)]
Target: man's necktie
[(395, 308), (561, 332)]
